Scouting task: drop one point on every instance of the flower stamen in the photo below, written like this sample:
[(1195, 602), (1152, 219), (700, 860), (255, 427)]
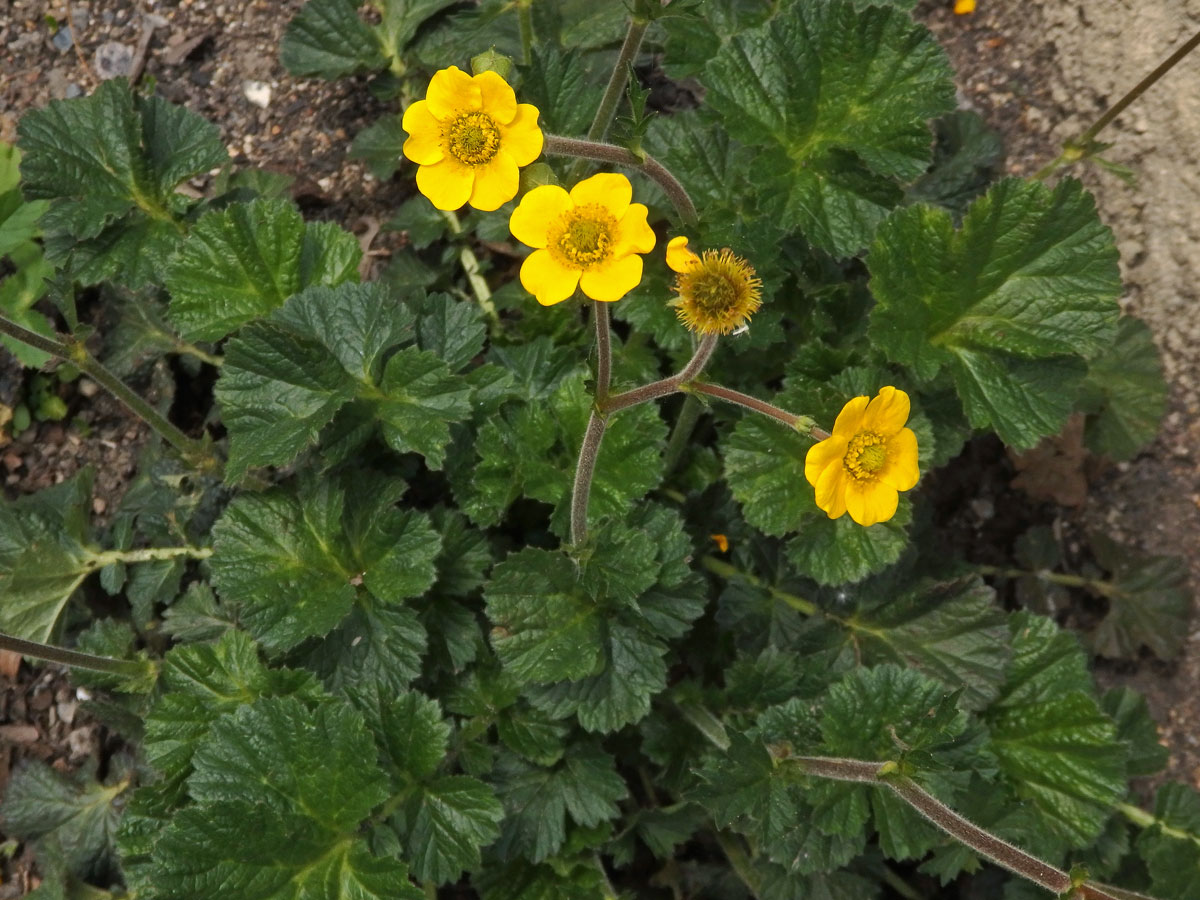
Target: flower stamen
[(473, 138), (718, 292), (865, 455), (583, 237)]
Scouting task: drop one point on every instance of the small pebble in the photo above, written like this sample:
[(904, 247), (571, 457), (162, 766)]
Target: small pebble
[(99, 505), (88, 388), (258, 93), (62, 40), (113, 60), (73, 91)]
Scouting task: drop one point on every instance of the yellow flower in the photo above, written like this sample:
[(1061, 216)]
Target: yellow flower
[(962, 7), (718, 292), (469, 136), (868, 458), (590, 237)]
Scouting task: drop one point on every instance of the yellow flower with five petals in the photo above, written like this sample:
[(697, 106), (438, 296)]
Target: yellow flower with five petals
[(868, 459), (590, 238), (469, 137)]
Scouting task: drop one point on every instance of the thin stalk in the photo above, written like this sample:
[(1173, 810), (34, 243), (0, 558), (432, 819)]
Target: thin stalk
[(725, 570), (1100, 587), (668, 385), (73, 351), (681, 433), (183, 347), (603, 350), (470, 266), (73, 658), (893, 880), (1143, 819), (1077, 148), (802, 424), (585, 471), (149, 554), (525, 21), (739, 860), (616, 81), (555, 145)]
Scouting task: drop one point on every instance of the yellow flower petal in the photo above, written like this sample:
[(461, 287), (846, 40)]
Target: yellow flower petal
[(634, 234), (495, 183), (548, 281), (424, 144), (849, 420), (497, 98), (614, 280), (900, 471), (610, 190), (679, 257), (887, 412), (447, 184), (521, 137), (869, 502), (831, 491), (452, 91), (822, 455), (533, 216)]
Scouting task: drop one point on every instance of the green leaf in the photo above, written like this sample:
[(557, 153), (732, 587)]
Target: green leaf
[(952, 631), (546, 625), (400, 20), (44, 557), (1007, 303), (328, 40), (420, 399), (1171, 846), (109, 164), (280, 790), (444, 824), (375, 644), (1149, 603), (381, 146), (557, 83), (240, 263), (285, 378), (451, 328), (842, 97), (1125, 395), (1052, 741), (840, 551), (967, 156), (764, 465), (584, 785), (282, 557), (1137, 729), (77, 812)]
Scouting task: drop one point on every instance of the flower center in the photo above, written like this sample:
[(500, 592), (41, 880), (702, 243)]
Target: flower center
[(584, 236), (473, 138), (865, 455), (717, 294)]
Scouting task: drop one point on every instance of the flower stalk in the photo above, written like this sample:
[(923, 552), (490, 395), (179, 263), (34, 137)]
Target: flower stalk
[(73, 658), (556, 145), (68, 349), (802, 424)]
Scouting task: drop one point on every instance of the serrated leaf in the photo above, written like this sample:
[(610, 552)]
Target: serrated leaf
[(445, 823), (109, 164), (840, 551), (451, 328), (1007, 303), (375, 644), (381, 146), (584, 785), (952, 631), (1137, 729), (764, 465), (76, 812), (1149, 603), (546, 626), (399, 21), (967, 155), (557, 83), (328, 40), (1125, 395), (240, 263), (1051, 738), (843, 98), (420, 399), (291, 558), (1171, 846)]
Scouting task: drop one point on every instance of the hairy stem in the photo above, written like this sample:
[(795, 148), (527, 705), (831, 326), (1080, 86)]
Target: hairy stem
[(802, 424), (1078, 147), (725, 570), (616, 81), (563, 146), (585, 471), (525, 22), (603, 350), (1100, 587), (72, 351), (668, 385), (72, 658)]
